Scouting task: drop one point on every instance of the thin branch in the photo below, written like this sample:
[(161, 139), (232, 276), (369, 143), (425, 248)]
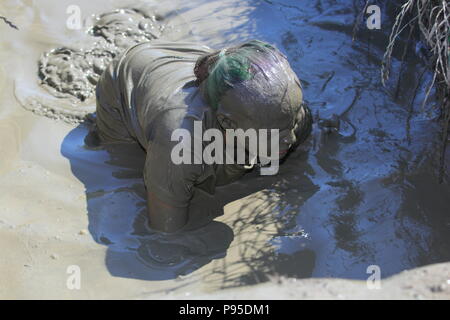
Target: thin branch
[(9, 23)]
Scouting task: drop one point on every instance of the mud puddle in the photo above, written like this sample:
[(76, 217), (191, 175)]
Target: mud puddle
[(367, 194)]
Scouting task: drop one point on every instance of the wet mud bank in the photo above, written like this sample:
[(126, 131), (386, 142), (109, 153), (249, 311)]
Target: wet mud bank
[(75, 71), (430, 282)]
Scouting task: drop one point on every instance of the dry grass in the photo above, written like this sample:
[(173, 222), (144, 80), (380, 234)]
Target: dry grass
[(432, 18)]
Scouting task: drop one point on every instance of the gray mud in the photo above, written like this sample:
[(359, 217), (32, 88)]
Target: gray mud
[(75, 71), (365, 193)]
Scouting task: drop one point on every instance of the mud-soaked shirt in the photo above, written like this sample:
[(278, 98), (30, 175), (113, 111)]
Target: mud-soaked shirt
[(149, 91)]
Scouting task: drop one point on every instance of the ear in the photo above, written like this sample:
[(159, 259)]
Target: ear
[(201, 68), (225, 121)]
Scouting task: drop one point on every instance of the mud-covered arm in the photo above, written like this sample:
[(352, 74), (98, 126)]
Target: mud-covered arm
[(170, 188), (169, 192), (164, 216), (169, 183)]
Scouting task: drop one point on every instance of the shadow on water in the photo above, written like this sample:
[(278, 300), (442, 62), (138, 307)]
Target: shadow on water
[(377, 200), (264, 223), (116, 206)]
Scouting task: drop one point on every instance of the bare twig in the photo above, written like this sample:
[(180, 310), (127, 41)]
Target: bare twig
[(433, 19), (9, 23)]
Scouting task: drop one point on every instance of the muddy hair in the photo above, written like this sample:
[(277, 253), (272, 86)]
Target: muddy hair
[(221, 70)]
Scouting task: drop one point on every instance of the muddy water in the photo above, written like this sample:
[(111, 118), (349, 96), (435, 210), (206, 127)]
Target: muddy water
[(364, 195), (75, 71)]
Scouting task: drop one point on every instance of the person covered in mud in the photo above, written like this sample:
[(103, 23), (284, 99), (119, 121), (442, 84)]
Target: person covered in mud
[(156, 87)]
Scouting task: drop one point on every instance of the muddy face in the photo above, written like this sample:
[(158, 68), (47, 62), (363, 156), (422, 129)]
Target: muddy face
[(237, 109)]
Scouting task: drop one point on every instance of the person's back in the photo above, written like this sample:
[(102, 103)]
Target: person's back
[(147, 80)]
